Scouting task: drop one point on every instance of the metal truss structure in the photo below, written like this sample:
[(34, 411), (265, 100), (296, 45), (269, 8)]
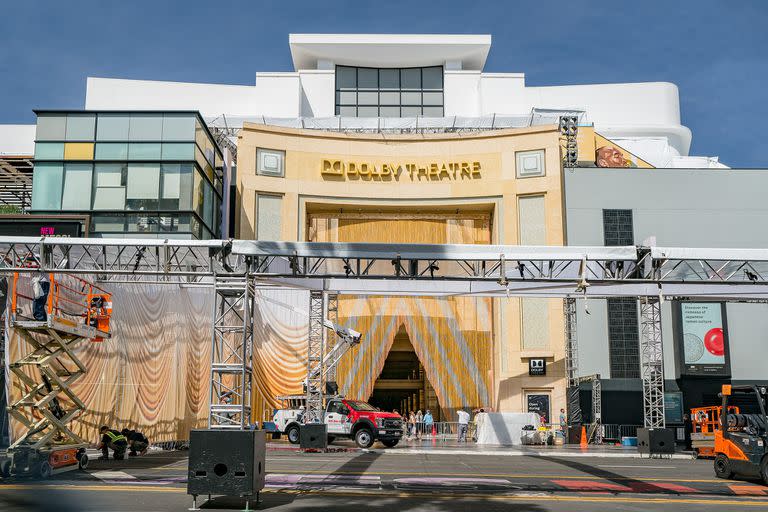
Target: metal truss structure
[(571, 362), (650, 273), (232, 352), (332, 314), (652, 362), (595, 430), (313, 412)]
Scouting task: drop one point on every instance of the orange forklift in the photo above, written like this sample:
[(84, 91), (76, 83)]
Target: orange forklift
[(741, 442), (705, 421)]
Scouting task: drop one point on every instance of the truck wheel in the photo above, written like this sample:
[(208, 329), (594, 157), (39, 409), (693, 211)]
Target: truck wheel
[(331, 439), (293, 434), (764, 470), (364, 438), (5, 468), (44, 470), (82, 462), (723, 466), (390, 443)]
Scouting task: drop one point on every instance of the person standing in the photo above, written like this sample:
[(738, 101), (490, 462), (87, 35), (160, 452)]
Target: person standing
[(419, 423), (40, 288), (412, 424), (428, 422), (463, 424), (563, 422)]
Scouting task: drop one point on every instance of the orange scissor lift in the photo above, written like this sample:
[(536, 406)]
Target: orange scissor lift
[(77, 310), (705, 422)]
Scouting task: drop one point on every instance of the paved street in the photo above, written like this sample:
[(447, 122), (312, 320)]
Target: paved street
[(397, 480)]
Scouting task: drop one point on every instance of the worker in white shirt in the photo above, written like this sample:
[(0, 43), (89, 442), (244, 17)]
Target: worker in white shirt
[(463, 425)]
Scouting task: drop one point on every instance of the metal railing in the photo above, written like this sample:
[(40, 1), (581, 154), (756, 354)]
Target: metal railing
[(440, 430), (614, 432)]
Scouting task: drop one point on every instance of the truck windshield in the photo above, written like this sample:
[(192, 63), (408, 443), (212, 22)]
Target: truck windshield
[(361, 406)]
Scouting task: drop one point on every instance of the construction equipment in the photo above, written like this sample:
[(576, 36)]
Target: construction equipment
[(76, 310), (705, 421), (741, 442)]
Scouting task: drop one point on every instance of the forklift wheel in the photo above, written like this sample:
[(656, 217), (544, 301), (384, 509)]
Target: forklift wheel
[(82, 462), (723, 466), (44, 470), (5, 468)]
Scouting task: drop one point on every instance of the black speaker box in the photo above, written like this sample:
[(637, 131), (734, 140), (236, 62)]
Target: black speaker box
[(654, 441), (313, 436), (226, 462), (574, 434)]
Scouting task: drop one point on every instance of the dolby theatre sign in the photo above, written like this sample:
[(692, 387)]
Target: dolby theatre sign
[(400, 171)]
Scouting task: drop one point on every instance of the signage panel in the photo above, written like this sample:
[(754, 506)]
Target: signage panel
[(702, 338)]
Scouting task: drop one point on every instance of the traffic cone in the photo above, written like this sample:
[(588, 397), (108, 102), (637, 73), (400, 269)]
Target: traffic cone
[(434, 430), (584, 439)]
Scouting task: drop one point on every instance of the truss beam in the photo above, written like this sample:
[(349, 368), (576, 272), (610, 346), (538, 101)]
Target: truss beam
[(572, 362), (652, 362), (313, 412)]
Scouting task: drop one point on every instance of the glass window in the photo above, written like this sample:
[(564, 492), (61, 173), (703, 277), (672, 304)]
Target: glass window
[(109, 187), (142, 187), (432, 78), (141, 223), (410, 78), (411, 111), (51, 127), (176, 187), (77, 187), (432, 98), (367, 112), (411, 98), (346, 98), (203, 163), (145, 127), (346, 78), (81, 126), (367, 78), (197, 193), (112, 151), (144, 151), (179, 127), (47, 186), (112, 127), (78, 151), (179, 151), (389, 111), (389, 98), (108, 223), (268, 214), (346, 111), (433, 111), (49, 150), (207, 204), (389, 79), (270, 162), (367, 98)]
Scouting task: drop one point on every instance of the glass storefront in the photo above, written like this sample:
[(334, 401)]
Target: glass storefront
[(144, 174)]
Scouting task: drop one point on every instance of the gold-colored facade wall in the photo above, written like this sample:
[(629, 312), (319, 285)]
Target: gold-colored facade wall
[(429, 180)]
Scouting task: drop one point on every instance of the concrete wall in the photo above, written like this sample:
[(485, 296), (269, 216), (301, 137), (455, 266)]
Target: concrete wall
[(693, 208)]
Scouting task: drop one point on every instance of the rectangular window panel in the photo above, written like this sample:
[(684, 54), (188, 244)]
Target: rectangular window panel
[(347, 111), (268, 214), (207, 204), (179, 127), (389, 79), (623, 338), (144, 151), (49, 150), (110, 175), (108, 223), (346, 78), (389, 111), (47, 186), (367, 111), (411, 111), (112, 151), (532, 220), (618, 228), (410, 78), (142, 186), (389, 98), (81, 126), (411, 98), (346, 98), (197, 193), (112, 127), (51, 127), (179, 151), (109, 198), (433, 98), (77, 187), (109, 187), (433, 111), (367, 98), (432, 78), (78, 151), (145, 127), (141, 223), (176, 187), (367, 78), (535, 323)]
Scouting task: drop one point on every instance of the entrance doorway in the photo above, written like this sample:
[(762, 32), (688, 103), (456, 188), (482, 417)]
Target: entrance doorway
[(402, 383)]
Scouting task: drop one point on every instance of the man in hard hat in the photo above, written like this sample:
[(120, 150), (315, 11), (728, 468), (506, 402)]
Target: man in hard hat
[(112, 439)]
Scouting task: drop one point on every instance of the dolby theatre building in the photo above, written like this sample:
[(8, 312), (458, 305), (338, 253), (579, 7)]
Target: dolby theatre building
[(404, 138)]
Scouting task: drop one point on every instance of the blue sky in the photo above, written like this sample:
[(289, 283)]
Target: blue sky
[(716, 51)]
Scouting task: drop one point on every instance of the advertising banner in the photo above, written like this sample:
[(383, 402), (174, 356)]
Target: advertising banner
[(539, 404), (702, 338)]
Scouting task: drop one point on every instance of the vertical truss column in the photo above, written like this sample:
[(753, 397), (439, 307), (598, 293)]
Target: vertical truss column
[(232, 352), (572, 362), (315, 355), (332, 310), (597, 408), (652, 362)]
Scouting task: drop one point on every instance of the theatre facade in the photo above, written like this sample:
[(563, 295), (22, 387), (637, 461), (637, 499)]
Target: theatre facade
[(496, 187)]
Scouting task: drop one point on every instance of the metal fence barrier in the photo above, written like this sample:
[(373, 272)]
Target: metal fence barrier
[(614, 432)]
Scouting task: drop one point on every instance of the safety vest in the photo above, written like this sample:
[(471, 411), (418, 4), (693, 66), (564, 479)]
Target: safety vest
[(115, 437)]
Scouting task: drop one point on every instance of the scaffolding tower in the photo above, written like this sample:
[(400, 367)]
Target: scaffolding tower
[(315, 357), (652, 362), (572, 362)]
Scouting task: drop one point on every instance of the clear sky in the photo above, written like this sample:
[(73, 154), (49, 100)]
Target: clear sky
[(716, 51)]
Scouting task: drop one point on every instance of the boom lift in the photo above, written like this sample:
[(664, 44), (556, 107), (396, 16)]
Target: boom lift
[(741, 442), (76, 311)]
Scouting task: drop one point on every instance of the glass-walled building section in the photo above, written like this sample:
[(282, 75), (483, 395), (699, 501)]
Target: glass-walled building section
[(137, 174), (389, 92)]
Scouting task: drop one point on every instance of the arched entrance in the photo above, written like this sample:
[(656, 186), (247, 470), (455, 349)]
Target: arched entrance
[(403, 383)]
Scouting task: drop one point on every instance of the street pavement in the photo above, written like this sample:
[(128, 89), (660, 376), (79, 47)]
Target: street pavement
[(395, 480)]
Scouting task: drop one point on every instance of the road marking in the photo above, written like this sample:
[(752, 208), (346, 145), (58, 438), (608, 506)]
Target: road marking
[(639, 467), (112, 475)]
